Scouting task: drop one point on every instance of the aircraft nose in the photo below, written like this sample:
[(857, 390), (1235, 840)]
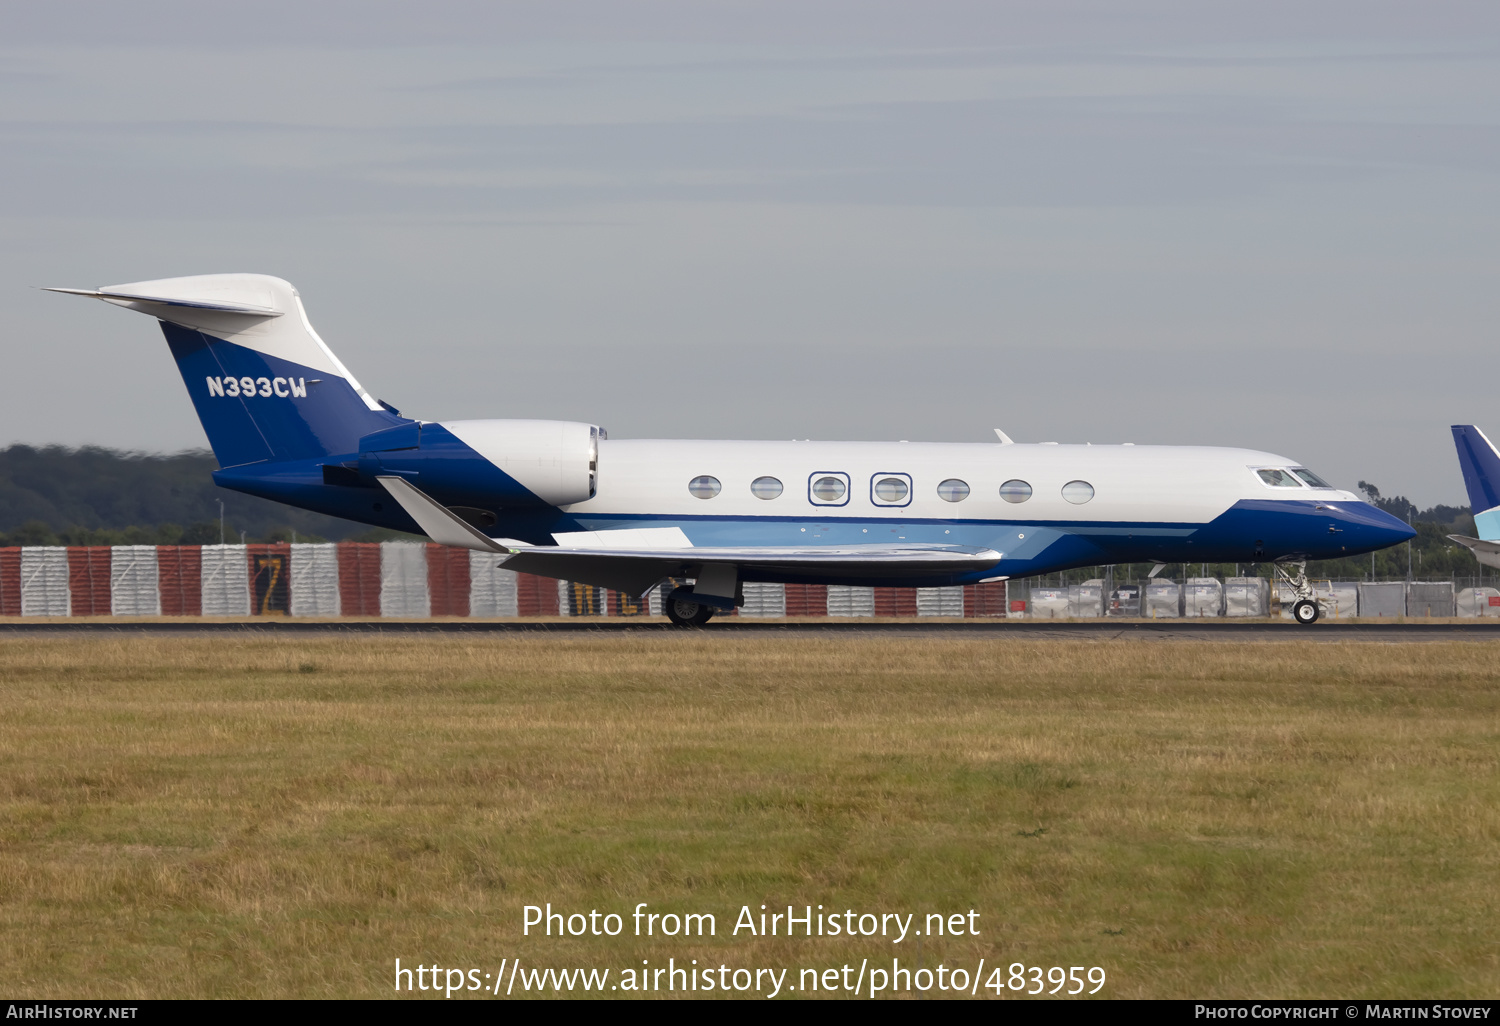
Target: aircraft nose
[(1377, 528)]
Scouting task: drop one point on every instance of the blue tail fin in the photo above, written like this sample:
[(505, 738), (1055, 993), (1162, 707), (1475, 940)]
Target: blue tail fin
[(1481, 466), (264, 384)]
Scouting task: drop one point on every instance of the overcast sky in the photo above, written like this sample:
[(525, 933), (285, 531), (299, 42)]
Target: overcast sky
[(1264, 224)]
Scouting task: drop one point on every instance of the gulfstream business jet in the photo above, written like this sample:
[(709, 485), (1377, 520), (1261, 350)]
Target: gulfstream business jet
[(287, 421)]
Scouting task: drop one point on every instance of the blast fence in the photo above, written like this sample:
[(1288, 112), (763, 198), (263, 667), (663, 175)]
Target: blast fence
[(420, 580)]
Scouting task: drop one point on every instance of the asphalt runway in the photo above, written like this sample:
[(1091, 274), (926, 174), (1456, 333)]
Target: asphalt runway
[(1100, 630)]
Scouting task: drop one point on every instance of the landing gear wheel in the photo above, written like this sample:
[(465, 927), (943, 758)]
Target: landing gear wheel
[(685, 611), (1304, 601)]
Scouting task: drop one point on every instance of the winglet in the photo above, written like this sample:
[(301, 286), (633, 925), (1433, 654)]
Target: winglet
[(1004, 438), (435, 520)]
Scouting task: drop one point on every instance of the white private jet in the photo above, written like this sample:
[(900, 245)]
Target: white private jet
[(287, 421)]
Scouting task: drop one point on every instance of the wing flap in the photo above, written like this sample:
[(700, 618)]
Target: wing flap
[(635, 570)]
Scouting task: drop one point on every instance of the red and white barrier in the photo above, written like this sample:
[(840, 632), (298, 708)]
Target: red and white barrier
[(134, 576), (224, 584), (450, 584), (44, 582), (314, 581), (403, 580), (179, 579), (493, 591), (392, 579), (359, 579)]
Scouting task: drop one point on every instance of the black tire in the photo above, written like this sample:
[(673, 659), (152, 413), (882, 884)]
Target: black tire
[(686, 611), (1305, 611)]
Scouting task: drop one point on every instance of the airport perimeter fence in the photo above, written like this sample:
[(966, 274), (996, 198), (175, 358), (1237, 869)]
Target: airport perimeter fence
[(1204, 597), (420, 580)]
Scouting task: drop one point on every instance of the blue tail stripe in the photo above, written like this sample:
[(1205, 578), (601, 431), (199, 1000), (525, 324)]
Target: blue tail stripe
[(1481, 467), (293, 412)]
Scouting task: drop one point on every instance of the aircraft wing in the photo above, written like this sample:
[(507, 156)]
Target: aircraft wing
[(633, 560), (635, 570)]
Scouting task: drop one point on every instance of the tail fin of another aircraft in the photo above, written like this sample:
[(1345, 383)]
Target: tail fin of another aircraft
[(265, 386), (1481, 466)]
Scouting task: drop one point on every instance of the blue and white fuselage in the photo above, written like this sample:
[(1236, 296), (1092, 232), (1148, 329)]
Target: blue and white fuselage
[(288, 422), (1161, 503)]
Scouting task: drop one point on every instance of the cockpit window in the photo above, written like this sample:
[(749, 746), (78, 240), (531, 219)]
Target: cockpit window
[(1279, 478), (1312, 480)]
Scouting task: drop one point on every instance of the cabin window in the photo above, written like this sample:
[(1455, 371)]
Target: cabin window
[(1015, 491), (1312, 480), (953, 490), (765, 487), (1277, 478), (890, 489), (829, 489), (704, 487), (1078, 492)]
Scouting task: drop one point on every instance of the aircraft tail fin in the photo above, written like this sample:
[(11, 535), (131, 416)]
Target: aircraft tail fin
[(265, 386), (1481, 467)]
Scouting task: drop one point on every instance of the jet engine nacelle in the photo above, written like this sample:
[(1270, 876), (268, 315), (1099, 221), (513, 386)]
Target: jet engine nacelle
[(490, 464)]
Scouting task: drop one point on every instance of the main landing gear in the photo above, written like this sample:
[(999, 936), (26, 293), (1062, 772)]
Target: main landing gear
[(686, 611), (1305, 603)]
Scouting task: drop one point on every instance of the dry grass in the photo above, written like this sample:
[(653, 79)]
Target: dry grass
[(185, 817)]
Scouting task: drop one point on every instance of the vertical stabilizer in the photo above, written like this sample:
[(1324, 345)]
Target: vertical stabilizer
[(265, 386), (1481, 467)]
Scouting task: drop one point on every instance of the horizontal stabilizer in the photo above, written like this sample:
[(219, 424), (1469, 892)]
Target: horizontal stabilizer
[(219, 306), (1487, 552)]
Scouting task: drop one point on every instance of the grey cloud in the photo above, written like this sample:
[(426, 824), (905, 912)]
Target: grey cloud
[(966, 59), (1047, 152), (374, 23)]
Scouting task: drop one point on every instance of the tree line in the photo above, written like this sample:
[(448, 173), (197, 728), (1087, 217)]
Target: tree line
[(54, 495)]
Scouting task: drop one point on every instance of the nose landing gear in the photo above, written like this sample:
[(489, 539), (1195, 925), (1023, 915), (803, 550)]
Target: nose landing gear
[(1305, 602)]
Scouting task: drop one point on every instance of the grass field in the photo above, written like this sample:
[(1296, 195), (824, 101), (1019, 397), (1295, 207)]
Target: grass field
[(185, 817)]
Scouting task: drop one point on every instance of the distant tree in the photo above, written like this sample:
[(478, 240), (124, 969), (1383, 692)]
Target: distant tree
[(33, 532), (1445, 515), (286, 534), (76, 491), (1398, 506), (204, 532)]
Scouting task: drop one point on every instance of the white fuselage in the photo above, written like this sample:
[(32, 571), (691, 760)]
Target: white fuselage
[(1149, 484)]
